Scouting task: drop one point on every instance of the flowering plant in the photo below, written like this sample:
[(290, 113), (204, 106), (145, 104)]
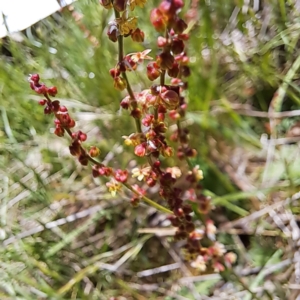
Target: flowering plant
[(153, 109)]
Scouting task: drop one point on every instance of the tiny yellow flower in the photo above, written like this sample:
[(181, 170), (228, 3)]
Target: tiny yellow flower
[(113, 187), (134, 3), (126, 24), (175, 172), (198, 173), (199, 263), (140, 173)]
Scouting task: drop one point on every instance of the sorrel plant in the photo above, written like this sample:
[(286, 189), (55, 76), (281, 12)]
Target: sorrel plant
[(162, 104)]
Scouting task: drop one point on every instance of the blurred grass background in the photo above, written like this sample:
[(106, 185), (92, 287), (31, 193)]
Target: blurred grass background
[(65, 237)]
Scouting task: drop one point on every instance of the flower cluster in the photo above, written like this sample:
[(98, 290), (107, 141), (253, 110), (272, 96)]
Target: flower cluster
[(64, 123), (152, 109)]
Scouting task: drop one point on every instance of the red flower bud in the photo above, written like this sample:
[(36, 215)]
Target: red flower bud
[(151, 182), (147, 120), (71, 123), (59, 131), (82, 136), (47, 110), (55, 105), (161, 42), (94, 151), (152, 71), (158, 20), (63, 109), (52, 91), (140, 150), (35, 78), (121, 175), (42, 102), (125, 103), (114, 72)]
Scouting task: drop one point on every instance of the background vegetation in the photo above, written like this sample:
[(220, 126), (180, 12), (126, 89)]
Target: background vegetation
[(65, 237)]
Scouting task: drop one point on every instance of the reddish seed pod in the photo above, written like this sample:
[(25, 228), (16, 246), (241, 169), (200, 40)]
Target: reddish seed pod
[(178, 4), (47, 110), (167, 8), (174, 71), (165, 60), (138, 35), (71, 123), (119, 5), (136, 113), (59, 131), (63, 109), (185, 71), (169, 99), (82, 136), (179, 26), (177, 46), (83, 159), (151, 182), (74, 148), (125, 103), (42, 102), (41, 89), (174, 221)]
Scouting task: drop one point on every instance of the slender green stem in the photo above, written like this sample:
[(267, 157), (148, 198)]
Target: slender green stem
[(149, 201), (243, 284), (124, 75)]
